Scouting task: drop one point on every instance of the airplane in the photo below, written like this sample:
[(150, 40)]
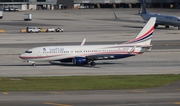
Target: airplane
[(88, 54), (167, 20)]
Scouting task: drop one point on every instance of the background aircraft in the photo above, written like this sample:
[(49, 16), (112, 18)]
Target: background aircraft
[(127, 20), (167, 20), (85, 54)]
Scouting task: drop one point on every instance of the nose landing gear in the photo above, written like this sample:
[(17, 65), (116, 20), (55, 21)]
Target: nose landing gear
[(33, 63)]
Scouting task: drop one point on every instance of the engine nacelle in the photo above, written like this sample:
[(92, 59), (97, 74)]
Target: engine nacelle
[(80, 60)]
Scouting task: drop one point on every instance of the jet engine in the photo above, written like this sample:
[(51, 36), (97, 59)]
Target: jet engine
[(80, 60)]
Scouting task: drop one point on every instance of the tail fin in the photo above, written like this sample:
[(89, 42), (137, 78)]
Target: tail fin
[(143, 8), (144, 36)]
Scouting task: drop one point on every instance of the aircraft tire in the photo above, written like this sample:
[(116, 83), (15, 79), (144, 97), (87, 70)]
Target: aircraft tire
[(156, 25), (167, 26), (93, 63), (33, 64)]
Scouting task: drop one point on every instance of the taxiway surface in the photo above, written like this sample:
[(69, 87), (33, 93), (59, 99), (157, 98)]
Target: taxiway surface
[(99, 27), (154, 62)]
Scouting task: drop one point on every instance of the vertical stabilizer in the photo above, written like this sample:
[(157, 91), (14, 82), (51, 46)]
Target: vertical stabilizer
[(144, 36), (143, 7)]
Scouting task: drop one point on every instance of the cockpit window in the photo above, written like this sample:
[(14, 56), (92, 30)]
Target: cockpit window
[(178, 19), (28, 51)]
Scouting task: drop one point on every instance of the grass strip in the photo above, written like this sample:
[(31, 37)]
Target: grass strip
[(113, 82)]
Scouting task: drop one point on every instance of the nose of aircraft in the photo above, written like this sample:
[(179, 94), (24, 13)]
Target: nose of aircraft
[(21, 56)]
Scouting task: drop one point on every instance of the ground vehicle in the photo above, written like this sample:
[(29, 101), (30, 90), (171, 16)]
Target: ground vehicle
[(16, 9), (6, 9), (50, 30), (27, 17), (1, 14), (32, 29), (59, 30), (11, 9)]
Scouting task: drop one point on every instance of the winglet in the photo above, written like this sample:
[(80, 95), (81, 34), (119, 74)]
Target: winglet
[(115, 15), (83, 42)]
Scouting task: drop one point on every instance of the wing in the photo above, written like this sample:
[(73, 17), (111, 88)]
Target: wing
[(108, 56), (127, 20)]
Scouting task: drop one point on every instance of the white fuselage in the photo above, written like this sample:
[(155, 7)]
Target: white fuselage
[(163, 19), (55, 53)]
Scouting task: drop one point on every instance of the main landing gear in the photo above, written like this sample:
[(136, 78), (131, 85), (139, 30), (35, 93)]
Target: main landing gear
[(33, 64), (167, 26), (93, 63), (156, 25)]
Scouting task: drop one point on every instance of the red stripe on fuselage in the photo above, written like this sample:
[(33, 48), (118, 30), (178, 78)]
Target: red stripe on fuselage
[(32, 57)]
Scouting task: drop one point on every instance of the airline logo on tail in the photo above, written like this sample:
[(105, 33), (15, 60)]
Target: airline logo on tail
[(145, 34), (144, 37)]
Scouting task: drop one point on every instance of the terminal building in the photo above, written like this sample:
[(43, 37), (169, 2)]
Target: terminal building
[(70, 4)]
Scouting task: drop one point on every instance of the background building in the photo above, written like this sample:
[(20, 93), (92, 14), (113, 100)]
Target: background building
[(28, 4), (128, 3), (66, 4)]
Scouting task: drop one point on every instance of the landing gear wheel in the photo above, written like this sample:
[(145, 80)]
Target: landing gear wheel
[(33, 64), (93, 63), (156, 25), (167, 26)]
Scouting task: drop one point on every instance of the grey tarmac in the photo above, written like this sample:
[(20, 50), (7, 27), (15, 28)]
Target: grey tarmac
[(98, 27), (157, 44), (153, 62)]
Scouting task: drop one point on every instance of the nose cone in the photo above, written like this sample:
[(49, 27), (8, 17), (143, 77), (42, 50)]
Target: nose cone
[(21, 56)]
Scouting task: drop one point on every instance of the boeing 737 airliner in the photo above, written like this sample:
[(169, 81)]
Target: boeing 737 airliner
[(167, 20), (88, 54)]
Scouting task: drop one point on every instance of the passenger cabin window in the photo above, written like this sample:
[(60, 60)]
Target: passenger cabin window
[(28, 51)]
